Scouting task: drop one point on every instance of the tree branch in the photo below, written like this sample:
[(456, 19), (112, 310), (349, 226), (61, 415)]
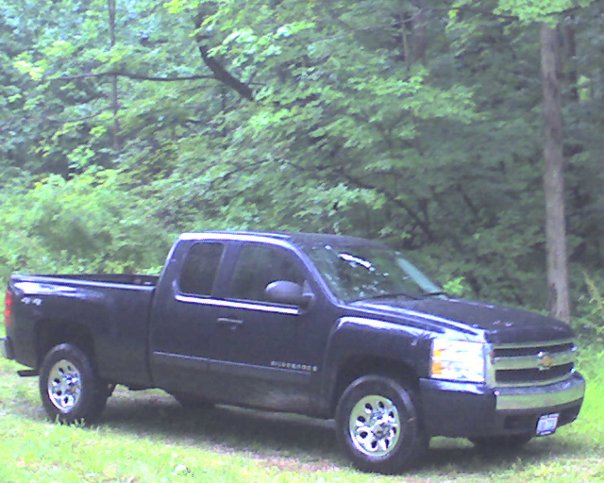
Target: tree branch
[(359, 183), (131, 75), (79, 119), (220, 72), (475, 9), (423, 225)]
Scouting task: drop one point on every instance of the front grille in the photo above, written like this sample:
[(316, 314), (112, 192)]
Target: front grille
[(532, 375), (506, 351), (532, 364)]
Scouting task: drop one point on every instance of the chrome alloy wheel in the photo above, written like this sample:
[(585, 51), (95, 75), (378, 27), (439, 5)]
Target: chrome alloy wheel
[(374, 425), (64, 385)]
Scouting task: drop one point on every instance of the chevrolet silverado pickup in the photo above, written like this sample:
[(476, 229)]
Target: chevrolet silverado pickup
[(327, 326)]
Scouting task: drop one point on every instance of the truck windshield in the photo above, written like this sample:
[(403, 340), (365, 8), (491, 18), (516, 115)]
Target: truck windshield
[(360, 272)]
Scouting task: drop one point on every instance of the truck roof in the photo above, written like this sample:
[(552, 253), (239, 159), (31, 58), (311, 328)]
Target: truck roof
[(299, 238)]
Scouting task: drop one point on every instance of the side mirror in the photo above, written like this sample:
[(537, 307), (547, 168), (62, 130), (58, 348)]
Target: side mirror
[(287, 293)]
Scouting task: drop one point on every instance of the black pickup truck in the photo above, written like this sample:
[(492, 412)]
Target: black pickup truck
[(322, 325)]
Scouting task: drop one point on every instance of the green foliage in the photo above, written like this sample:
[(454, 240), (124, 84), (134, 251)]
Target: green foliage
[(87, 224), (455, 287), (418, 123), (538, 10), (590, 319)]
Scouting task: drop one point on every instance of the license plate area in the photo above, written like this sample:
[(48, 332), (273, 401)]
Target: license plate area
[(547, 424)]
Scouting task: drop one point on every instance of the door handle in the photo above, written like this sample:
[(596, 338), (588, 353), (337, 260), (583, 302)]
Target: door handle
[(230, 323)]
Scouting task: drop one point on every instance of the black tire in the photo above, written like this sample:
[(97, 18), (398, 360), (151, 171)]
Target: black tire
[(502, 443), (70, 389), (388, 437), (188, 401)]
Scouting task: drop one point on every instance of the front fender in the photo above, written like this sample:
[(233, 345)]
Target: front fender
[(354, 339)]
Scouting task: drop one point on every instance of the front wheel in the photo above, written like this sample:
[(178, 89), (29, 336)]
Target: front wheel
[(70, 389), (378, 426)]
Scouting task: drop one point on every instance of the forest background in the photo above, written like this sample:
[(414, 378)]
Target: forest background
[(416, 122)]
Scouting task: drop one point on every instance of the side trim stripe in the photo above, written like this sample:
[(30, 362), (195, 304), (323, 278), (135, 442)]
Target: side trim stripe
[(237, 305)]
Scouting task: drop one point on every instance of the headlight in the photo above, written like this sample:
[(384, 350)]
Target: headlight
[(457, 360)]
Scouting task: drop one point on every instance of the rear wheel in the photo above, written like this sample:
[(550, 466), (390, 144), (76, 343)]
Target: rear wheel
[(377, 425), (70, 389)]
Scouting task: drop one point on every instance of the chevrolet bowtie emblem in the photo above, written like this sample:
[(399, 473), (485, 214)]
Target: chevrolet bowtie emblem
[(544, 361)]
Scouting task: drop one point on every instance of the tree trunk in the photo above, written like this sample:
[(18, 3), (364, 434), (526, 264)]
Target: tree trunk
[(568, 62), (115, 102), (553, 179), (420, 37)]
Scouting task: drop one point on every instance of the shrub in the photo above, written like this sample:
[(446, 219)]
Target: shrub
[(89, 223), (590, 321)]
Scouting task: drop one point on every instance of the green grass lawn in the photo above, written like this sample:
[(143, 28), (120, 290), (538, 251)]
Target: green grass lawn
[(147, 436)]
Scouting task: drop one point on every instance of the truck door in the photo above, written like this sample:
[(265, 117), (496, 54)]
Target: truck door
[(274, 349), (184, 334)]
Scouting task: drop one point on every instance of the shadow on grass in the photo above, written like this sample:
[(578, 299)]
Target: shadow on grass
[(291, 441), (451, 456), (223, 428)]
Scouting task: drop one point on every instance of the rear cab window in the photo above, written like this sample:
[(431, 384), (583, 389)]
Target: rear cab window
[(200, 268)]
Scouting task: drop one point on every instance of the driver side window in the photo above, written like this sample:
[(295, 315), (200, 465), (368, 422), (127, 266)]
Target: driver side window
[(259, 265)]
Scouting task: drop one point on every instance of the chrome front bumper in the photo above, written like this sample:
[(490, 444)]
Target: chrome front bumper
[(536, 397)]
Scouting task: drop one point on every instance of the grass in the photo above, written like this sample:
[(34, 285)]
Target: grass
[(148, 437)]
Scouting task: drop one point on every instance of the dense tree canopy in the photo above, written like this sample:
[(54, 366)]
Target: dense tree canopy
[(124, 122)]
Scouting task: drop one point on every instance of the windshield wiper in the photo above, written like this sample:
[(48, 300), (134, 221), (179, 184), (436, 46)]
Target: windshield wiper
[(434, 294), (387, 296)]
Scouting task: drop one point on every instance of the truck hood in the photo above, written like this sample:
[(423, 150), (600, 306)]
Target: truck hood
[(499, 324)]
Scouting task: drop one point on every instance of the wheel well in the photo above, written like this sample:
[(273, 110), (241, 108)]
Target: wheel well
[(51, 333), (360, 366)]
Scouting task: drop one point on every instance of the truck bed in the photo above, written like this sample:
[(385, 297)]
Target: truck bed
[(111, 309)]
